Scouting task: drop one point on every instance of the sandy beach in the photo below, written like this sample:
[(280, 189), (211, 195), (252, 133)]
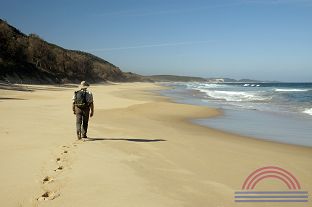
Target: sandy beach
[(143, 151)]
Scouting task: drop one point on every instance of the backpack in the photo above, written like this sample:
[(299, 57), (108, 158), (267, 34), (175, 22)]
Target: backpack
[(81, 98)]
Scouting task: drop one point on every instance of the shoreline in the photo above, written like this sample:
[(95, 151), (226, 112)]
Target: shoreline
[(143, 150), (220, 113), (246, 122)]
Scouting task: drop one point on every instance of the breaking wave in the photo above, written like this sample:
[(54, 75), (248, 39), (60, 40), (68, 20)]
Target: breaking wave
[(234, 96), (290, 90), (308, 111)]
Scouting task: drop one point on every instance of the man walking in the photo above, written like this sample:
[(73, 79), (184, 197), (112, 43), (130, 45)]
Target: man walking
[(83, 107)]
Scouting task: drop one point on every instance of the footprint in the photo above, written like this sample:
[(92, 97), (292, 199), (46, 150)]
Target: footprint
[(48, 196), (59, 168), (58, 159), (65, 151), (47, 179)]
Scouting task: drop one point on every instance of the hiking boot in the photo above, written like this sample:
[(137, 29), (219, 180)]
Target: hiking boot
[(84, 136), (78, 136)]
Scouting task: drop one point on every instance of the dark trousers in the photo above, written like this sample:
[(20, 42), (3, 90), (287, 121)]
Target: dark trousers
[(82, 119)]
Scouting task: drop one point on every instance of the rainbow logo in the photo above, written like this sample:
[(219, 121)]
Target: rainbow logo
[(292, 194)]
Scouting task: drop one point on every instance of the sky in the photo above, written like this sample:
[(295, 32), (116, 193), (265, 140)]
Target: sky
[(256, 39)]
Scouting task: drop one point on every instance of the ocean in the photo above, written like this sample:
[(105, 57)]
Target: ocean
[(280, 112)]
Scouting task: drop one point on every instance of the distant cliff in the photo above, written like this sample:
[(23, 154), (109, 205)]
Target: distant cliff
[(177, 78), (174, 78), (30, 59)]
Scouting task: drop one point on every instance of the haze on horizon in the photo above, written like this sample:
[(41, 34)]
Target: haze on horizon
[(256, 39)]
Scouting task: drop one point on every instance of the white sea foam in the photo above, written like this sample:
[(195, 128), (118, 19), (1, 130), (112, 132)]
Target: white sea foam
[(251, 85), (209, 85), (235, 96), (290, 90), (308, 111), (204, 85)]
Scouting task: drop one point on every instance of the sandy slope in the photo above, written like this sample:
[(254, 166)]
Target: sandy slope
[(143, 151)]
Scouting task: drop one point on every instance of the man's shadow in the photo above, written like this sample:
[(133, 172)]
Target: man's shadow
[(89, 139)]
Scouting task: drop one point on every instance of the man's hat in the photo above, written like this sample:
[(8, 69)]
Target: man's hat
[(84, 85)]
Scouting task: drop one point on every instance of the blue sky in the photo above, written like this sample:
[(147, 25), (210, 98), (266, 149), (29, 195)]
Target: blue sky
[(258, 39)]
